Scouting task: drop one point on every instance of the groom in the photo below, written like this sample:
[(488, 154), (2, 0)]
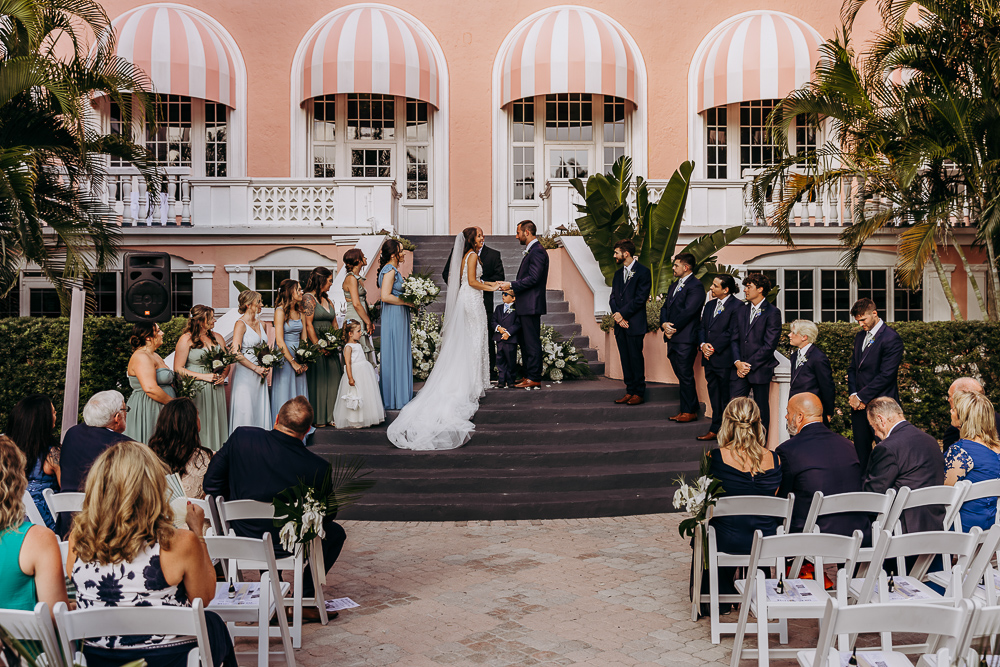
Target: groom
[(529, 287)]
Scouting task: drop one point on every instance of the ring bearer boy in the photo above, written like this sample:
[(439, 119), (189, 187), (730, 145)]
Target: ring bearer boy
[(505, 330)]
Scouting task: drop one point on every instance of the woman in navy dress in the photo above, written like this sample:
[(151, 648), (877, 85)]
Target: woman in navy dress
[(396, 350), (289, 380), (31, 426), (976, 457)]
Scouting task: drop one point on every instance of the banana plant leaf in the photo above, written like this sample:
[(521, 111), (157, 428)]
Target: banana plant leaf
[(664, 226)]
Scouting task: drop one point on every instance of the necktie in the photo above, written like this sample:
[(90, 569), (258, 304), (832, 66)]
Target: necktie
[(798, 359), (754, 312), (868, 341), (718, 309), (506, 310), (628, 274)]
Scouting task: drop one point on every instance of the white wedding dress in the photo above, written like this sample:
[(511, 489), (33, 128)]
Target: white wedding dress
[(439, 417)]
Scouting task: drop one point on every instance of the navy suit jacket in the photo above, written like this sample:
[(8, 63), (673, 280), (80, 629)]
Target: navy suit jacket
[(875, 372), (813, 376), (718, 332), (817, 459), (681, 307), (529, 286), (755, 344), (509, 322), (629, 298), (80, 448)]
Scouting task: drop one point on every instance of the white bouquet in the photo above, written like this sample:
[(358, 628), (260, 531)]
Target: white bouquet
[(420, 290), (695, 499)]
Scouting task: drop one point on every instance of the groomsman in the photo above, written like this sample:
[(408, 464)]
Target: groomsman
[(715, 335), (679, 323), (811, 372), (530, 290), (872, 372), (756, 335), (630, 290)]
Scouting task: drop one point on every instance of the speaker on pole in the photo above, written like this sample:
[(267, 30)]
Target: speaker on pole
[(147, 287)]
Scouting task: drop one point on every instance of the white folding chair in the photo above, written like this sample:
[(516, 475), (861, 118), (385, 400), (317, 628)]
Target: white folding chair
[(240, 510), (211, 513), (731, 506), (71, 501), (989, 488), (978, 640), (255, 554), (978, 580), (124, 621), (948, 497), (35, 626), (801, 598), (839, 620), (860, 502), (31, 510)]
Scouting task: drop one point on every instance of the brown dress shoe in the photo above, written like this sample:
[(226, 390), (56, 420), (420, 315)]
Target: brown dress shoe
[(528, 384), (708, 436), (674, 418), (685, 417), (623, 399), (636, 400)]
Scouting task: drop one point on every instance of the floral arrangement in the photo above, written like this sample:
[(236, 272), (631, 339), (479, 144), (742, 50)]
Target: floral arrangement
[(217, 358), (695, 499), (299, 510), (268, 357), (331, 342), (419, 290), (425, 337), (186, 386), (560, 358), (306, 353)]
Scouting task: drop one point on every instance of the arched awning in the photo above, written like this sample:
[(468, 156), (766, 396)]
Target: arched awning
[(756, 56), (569, 50), (369, 50), (182, 53)]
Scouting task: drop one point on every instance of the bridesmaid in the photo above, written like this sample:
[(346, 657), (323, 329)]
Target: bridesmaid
[(151, 381), (397, 355), (249, 399), (318, 317), (289, 380), (210, 398), (356, 297)]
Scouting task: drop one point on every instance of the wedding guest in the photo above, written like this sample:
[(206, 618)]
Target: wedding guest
[(31, 426), (755, 338), (951, 434), (872, 372), (505, 330), (718, 322), (151, 381), (249, 397), (357, 298), (679, 323), (810, 367), (177, 444), (256, 464), (104, 424), (396, 351), (319, 317), (359, 401), (191, 359), (290, 378), (975, 457), (630, 289), (29, 555), (125, 552)]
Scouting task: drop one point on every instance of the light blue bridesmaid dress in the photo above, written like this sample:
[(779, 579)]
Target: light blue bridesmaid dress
[(396, 350), (285, 384)]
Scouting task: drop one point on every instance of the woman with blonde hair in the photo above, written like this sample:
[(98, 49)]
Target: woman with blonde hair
[(249, 399), (190, 360), (976, 457), (290, 379), (125, 552), (29, 554)]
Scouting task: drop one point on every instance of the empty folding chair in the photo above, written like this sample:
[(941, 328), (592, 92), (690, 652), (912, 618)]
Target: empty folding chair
[(977, 580), (62, 502), (36, 628)]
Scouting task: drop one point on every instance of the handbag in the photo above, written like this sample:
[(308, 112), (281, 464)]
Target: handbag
[(352, 399)]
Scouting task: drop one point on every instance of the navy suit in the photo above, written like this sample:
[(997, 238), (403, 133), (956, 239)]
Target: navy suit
[(755, 344), (872, 372), (529, 288), (681, 308), (817, 459), (629, 298), (813, 376), (80, 448), (718, 332), (506, 349)]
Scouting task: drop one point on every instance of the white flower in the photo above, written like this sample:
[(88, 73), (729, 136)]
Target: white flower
[(556, 375), (680, 497), (322, 342), (287, 536), (560, 363), (216, 364), (268, 360)]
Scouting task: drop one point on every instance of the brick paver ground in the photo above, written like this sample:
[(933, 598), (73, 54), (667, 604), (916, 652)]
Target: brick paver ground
[(606, 592)]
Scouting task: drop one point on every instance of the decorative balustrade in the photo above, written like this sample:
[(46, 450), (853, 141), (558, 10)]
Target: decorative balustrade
[(134, 206)]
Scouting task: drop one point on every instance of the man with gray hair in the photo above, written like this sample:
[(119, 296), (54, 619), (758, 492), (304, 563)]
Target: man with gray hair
[(951, 434), (906, 456), (811, 373)]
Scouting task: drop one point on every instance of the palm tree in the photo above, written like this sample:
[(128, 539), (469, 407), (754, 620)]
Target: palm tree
[(53, 156)]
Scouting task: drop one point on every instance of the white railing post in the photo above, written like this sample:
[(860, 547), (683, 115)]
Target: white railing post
[(171, 203), (186, 201), (126, 184)]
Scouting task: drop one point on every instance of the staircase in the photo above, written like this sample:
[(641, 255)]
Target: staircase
[(433, 253)]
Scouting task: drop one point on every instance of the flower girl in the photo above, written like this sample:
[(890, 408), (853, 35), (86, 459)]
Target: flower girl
[(359, 401)]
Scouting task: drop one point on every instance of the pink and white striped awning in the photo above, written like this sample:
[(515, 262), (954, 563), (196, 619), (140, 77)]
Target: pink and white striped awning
[(757, 56), (569, 50), (181, 52), (370, 50)]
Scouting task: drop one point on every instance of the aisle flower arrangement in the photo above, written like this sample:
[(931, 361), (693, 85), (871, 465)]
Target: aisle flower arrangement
[(695, 499), (419, 290), (560, 358), (425, 336)]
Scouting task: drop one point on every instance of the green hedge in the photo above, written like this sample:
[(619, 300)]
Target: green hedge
[(34, 357)]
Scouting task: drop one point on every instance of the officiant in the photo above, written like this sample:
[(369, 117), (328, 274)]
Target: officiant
[(492, 265)]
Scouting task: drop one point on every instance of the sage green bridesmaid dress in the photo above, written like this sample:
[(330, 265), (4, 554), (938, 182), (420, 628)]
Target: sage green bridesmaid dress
[(211, 403), (323, 377), (140, 423)]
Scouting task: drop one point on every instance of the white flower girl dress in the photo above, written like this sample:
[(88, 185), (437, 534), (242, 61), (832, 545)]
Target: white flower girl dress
[(361, 405)]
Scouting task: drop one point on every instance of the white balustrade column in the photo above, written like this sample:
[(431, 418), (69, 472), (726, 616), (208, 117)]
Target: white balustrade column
[(201, 283), (783, 381), (240, 272)]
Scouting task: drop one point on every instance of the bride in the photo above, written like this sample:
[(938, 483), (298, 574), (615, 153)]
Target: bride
[(439, 416)]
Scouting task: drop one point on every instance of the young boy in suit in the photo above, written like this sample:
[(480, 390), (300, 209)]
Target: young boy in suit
[(505, 330)]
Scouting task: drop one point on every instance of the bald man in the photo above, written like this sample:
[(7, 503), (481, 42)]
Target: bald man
[(951, 434), (817, 459)]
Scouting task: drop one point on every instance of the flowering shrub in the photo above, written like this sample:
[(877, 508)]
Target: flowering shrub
[(425, 337)]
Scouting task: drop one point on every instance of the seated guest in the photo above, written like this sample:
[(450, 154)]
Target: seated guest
[(817, 459), (906, 456), (176, 441), (976, 457), (31, 426), (951, 434), (29, 555), (256, 464), (125, 552), (810, 366)]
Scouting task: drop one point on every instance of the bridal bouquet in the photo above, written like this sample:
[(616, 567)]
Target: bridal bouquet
[(217, 358), (331, 342), (267, 357), (419, 290), (306, 353), (695, 499)]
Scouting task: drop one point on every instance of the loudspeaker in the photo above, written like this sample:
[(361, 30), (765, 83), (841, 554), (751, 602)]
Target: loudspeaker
[(146, 290)]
